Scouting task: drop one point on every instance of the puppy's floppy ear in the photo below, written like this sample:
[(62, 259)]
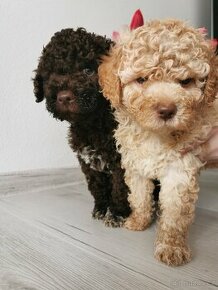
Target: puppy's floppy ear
[(108, 76), (211, 88), (38, 87)]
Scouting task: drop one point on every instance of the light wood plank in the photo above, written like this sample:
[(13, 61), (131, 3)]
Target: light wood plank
[(38, 256), (48, 238)]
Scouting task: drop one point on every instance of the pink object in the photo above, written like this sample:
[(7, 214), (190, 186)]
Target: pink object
[(115, 35), (137, 20), (214, 42), (203, 30)]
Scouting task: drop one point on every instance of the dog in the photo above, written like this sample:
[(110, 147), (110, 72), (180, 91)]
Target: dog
[(67, 78), (162, 80)]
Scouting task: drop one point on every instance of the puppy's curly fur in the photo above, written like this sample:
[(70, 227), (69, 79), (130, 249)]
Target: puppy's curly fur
[(162, 80), (67, 78)]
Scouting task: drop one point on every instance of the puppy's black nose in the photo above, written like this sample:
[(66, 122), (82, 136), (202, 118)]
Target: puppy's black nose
[(166, 112), (65, 96)]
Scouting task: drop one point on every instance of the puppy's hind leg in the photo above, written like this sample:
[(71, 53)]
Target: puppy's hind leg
[(141, 202)]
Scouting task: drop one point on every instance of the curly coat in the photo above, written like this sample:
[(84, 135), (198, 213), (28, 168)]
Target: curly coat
[(67, 78), (162, 78)]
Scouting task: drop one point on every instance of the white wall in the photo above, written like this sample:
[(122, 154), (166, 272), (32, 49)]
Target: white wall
[(29, 137)]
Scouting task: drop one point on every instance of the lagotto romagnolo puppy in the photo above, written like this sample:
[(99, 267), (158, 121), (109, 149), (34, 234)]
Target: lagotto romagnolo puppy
[(162, 80), (67, 78)]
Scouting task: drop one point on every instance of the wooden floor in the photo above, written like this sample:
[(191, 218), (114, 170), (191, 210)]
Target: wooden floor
[(48, 240)]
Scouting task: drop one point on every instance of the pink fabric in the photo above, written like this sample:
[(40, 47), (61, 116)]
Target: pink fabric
[(203, 30), (115, 35), (214, 42), (137, 20)]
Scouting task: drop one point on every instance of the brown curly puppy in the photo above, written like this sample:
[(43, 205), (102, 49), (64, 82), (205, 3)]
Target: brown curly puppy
[(162, 78), (67, 78)]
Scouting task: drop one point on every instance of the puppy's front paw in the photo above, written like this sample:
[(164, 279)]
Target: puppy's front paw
[(114, 221), (172, 256), (137, 222), (98, 213)]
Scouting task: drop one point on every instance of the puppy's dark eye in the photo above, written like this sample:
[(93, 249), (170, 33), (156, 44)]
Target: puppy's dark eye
[(186, 82), (141, 80), (89, 72)]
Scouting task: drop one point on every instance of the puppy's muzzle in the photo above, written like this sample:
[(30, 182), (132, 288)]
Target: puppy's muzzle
[(166, 111), (66, 102), (65, 97)]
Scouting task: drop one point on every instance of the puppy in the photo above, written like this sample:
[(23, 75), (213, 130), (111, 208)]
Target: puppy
[(162, 80), (67, 78)]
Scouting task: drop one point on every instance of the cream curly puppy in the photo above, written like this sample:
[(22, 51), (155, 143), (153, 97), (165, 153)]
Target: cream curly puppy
[(162, 80)]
